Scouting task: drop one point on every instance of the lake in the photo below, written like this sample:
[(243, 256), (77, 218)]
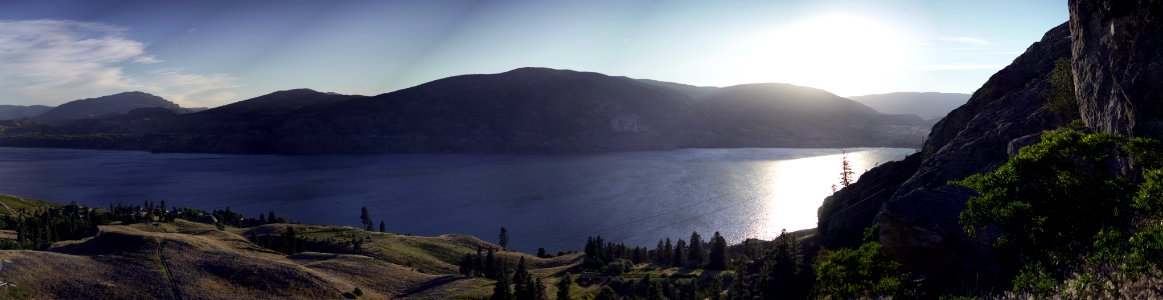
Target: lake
[(551, 201)]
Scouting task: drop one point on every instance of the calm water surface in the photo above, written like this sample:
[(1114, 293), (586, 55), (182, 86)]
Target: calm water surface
[(551, 201)]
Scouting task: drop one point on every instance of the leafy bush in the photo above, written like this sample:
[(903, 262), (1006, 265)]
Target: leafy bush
[(1067, 197), (1061, 98), (860, 273), (1051, 198)]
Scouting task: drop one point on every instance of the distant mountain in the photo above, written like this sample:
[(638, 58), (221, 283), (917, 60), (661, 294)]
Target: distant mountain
[(927, 105), (695, 92), (17, 112), (523, 110), (528, 109), (106, 106), (785, 115), (190, 110)]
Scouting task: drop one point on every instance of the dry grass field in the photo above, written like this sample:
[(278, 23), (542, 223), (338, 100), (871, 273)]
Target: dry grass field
[(187, 260)]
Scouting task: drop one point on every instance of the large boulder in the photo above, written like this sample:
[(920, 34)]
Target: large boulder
[(1118, 64)]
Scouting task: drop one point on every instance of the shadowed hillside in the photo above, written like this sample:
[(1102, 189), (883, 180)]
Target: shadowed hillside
[(195, 261), (106, 106), (523, 110)]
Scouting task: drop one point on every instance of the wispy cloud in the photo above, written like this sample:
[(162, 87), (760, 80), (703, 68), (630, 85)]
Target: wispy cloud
[(55, 60), (955, 67), (965, 40)]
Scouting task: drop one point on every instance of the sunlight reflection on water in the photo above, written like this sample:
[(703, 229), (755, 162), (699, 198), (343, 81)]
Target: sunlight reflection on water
[(797, 187), (551, 201)]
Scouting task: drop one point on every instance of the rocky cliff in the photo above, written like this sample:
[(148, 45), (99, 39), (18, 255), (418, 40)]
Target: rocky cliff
[(1115, 50), (918, 218), (1118, 64)]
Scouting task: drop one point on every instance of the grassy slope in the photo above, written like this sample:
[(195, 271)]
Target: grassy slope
[(195, 261), (9, 203)]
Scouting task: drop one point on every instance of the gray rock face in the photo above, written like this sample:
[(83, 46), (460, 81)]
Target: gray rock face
[(919, 225), (843, 216), (919, 221), (1118, 64)]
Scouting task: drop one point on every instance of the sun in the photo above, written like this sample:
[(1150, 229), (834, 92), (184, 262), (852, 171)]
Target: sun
[(844, 54)]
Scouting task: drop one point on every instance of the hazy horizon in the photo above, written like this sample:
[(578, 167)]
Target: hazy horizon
[(209, 53)]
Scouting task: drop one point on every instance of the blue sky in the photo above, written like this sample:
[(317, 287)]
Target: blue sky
[(211, 52)]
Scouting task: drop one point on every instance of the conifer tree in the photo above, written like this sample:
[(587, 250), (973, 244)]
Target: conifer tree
[(466, 265), (667, 253), (365, 219), (491, 265), (845, 169), (520, 277), (542, 294), (501, 290), (564, 286), (383, 228), (504, 239), (697, 256), (717, 259)]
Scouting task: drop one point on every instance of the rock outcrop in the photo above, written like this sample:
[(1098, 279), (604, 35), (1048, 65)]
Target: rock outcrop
[(1118, 64), (1116, 54), (919, 221), (844, 216)]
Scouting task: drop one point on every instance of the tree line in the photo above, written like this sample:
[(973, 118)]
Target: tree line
[(610, 257)]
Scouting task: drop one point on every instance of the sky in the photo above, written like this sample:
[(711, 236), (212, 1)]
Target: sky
[(214, 52)]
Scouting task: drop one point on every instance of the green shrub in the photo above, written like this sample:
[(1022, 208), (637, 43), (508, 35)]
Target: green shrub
[(1061, 98), (1049, 200), (1069, 197), (1034, 279), (860, 273)]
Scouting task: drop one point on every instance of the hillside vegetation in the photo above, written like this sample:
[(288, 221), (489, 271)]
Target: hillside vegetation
[(192, 260)]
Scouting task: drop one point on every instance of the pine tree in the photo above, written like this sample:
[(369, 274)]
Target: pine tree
[(479, 263), (365, 219), (564, 286), (717, 259), (520, 277), (845, 169), (542, 294), (383, 228), (657, 255), (466, 265), (680, 253), (504, 239), (501, 290), (697, 255), (491, 265), (667, 253)]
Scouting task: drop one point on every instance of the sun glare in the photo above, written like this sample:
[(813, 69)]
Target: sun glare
[(843, 54)]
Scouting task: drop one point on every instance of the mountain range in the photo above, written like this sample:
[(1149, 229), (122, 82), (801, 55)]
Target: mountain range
[(523, 110), (926, 105)]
